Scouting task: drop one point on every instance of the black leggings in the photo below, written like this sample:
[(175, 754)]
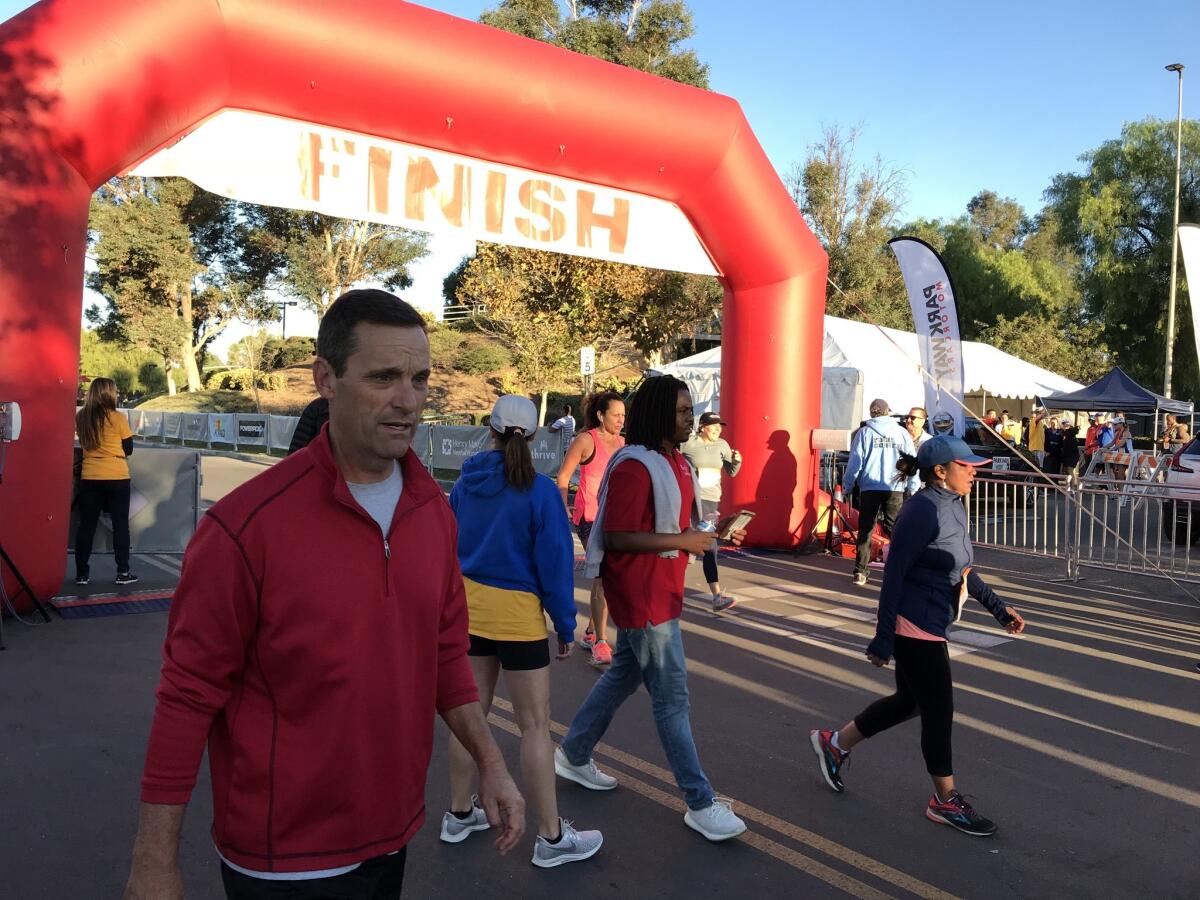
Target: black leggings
[(922, 685), (709, 562), (94, 498)]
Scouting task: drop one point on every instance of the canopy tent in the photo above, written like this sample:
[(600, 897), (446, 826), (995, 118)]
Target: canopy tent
[(1117, 392), (862, 362), (841, 387)]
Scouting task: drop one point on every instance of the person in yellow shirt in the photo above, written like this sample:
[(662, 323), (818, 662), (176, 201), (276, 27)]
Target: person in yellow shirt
[(106, 440), (1037, 435)]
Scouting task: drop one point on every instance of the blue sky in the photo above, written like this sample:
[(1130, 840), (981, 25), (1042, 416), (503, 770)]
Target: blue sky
[(961, 96)]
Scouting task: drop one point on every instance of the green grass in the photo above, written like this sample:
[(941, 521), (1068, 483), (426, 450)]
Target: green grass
[(202, 401)]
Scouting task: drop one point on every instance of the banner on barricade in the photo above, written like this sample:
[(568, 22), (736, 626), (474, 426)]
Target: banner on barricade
[(547, 451), (151, 423), (454, 443), (172, 426), (195, 427), (282, 429), (935, 319), (135, 420), (222, 428), (252, 429)]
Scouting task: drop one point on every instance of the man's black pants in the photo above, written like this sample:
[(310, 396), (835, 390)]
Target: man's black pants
[(872, 505), (379, 878)]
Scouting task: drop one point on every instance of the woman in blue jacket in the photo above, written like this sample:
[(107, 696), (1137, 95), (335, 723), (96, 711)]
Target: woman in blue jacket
[(518, 565), (926, 581)]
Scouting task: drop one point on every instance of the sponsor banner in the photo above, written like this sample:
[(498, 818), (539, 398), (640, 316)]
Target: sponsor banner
[(547, 450), (1189, 243), (274, 161), (935, 317), (195, 427), (252, 429), (173, 426), (454, 443), (152, 423), (222, 428), (282, 428)]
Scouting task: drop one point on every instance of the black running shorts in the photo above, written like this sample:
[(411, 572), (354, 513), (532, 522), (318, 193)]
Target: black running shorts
[(515, 656)]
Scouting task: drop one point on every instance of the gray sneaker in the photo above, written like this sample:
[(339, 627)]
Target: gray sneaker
[(456, 830), (722, 602), (587, 774), (716, 822), (571, 847)]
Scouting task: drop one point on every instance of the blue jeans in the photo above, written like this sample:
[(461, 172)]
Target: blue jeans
[(652, 656)]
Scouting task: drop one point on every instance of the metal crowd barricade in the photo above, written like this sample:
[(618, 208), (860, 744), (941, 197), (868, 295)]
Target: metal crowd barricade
[(1138, 523), (1022, 512)]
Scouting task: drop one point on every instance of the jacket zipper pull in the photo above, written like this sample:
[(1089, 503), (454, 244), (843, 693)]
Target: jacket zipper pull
[(387, 550)]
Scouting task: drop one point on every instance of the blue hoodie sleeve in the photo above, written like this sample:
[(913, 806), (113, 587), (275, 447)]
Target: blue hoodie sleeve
[(855, 463), (915, 527), (554, 559)]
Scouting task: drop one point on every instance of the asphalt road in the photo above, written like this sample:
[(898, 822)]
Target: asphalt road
[(1080, 738)]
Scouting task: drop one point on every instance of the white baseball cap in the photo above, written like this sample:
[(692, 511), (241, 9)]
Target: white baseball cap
[(514, 411)]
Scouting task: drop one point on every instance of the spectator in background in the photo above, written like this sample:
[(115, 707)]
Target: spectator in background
[(711, 457), (1054, 445), (1009, 428), (565, 426), (876, 448), (914, 424), (312, 418), (104, 482), (1037, 435), (1070, 448), (1175, 435)]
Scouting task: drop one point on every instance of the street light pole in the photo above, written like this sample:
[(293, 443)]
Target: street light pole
[(1177, 68)]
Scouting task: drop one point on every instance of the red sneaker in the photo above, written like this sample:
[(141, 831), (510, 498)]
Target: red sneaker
[(589, 639), (601, 654)]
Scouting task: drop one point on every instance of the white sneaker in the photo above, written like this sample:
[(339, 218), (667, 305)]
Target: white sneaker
[(717, 822), (587, 774), (456, 830), (571, 847)]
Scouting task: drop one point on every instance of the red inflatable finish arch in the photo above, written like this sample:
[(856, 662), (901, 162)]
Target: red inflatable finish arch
[(90, 87)]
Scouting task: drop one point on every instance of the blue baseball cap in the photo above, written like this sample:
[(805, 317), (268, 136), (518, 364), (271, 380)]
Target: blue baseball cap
[(945, 448)]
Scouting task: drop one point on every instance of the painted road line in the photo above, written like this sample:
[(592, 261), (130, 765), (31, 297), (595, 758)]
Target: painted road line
[(158, 564), (795, 832), (786, 855)]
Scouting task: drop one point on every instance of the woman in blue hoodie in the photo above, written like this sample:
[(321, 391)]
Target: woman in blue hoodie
[(518, 565), (926, 581)]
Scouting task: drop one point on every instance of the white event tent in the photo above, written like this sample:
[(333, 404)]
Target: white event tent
[(862, 361)]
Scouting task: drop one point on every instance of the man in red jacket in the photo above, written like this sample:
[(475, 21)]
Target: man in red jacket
[(319, 624)]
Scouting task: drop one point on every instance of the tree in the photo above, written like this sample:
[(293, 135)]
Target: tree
[(168, 255), (642, 35), (852, 211), (538, 338), (316, 258), (1116, 216), (600, 301)]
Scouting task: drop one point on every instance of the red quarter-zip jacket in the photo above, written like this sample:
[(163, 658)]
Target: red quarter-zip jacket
[(311, 654)]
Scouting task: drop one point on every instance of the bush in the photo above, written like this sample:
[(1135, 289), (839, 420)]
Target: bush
[(444, 344), (279, 354), (240, 380), (483, 359)]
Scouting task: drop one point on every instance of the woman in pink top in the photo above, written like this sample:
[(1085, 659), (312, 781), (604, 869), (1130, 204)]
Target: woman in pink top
[(603, 417)]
